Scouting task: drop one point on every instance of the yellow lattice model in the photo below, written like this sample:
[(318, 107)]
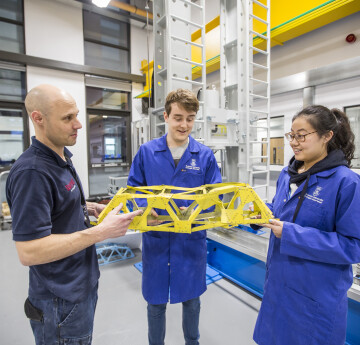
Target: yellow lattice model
[(196, 216)]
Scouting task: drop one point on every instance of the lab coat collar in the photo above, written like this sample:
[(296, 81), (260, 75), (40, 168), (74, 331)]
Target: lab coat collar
[(161, 144), (313, 179)]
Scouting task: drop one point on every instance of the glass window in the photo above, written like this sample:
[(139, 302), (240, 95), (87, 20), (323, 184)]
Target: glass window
[(11, 37), (12, 9), (11, 135), (110, 150), (107, 42), (108, 139), (11, 26), (12, 85), (105, 30), (353, 114), (103, 56), (107, 99)]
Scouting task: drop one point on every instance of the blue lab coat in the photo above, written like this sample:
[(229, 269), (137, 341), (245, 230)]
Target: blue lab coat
[(309, 269), (174, 265)]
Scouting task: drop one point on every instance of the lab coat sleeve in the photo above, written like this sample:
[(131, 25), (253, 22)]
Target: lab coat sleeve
[(212, 174), (341, 246), (269, 205), (137, 175)]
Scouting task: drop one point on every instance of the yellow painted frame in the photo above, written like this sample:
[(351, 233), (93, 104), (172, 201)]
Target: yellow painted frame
[(196, 217)]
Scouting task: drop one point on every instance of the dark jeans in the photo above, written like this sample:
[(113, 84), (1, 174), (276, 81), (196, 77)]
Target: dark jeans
[(64, 323), (190, 322)]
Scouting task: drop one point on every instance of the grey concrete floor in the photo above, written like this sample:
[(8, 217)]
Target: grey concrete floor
[(228, 313)]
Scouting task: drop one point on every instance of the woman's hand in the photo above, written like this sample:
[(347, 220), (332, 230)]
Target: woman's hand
[(275, 225)]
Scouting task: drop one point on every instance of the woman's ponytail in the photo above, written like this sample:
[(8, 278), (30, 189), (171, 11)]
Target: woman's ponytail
[(324, 120), (344, 137)]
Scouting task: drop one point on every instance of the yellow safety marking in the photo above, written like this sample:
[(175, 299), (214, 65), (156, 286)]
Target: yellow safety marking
[(196, 216)]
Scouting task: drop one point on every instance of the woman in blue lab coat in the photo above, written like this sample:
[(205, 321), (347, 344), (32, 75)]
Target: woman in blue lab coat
[(174, 265), (317, 238)]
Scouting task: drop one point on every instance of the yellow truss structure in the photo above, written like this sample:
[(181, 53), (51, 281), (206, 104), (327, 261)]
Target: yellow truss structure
[(196, 216)]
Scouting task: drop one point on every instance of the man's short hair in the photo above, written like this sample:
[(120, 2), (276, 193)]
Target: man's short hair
[(185, 98)]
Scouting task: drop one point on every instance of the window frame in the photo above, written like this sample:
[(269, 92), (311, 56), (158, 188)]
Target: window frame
[(109, 112), (14, 105), (111, 45), (18, 23), (356, 149)]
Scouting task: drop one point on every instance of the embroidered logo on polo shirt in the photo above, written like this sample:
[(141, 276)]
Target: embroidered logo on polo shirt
[(192, 165), (70, 186)]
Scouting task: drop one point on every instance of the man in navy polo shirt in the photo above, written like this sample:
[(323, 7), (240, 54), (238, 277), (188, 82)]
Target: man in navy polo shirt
[(50, 224)]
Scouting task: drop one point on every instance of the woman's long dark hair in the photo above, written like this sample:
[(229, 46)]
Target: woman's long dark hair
[(324, 120)]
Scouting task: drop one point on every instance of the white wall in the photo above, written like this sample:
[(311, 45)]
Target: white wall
[(317, 48), (139, 52), (339, 94), (54, 30), (138, 41), (287, 105), (74, 84)]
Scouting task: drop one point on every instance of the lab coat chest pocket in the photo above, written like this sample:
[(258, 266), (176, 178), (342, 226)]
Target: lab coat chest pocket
[(312, 214), (191, 177)]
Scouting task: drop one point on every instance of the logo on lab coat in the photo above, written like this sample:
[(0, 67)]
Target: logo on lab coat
[(192, 165), (317, 191), (315, 195)]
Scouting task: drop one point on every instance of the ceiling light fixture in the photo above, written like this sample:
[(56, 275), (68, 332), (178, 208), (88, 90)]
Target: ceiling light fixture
[(101, 3)]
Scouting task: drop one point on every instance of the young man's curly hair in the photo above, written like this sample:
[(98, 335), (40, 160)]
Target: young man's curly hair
[(185, 98)]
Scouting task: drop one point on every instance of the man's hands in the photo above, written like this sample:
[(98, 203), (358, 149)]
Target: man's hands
[(94, 209), (58, 246), (116, 225)]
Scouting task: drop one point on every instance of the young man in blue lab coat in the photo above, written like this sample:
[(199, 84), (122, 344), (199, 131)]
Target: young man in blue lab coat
[(174, 265)]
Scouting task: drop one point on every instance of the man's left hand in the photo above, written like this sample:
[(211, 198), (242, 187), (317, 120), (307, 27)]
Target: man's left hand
[(94, 209)]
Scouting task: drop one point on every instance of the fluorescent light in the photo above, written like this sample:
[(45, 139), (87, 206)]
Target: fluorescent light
[(101, 3)]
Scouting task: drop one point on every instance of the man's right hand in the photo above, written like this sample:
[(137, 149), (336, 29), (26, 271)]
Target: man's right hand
[(116, 225)]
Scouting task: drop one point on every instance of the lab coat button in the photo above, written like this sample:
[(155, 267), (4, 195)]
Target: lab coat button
[(168, 263), (284, 200)]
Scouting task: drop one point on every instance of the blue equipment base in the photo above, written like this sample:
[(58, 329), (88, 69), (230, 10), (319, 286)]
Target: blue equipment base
[(212, 275), (240, 268), (112, 252), (248, 229)]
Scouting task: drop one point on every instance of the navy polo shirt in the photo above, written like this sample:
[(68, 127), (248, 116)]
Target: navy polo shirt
[(45, 199)]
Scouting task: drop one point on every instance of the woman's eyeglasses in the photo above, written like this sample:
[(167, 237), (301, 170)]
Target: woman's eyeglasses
[(299, 137)]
